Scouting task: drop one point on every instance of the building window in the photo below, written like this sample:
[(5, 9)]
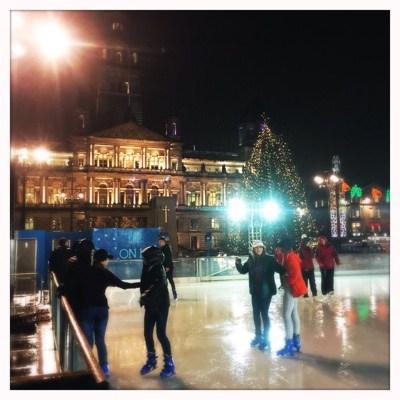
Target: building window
[(214, 222), (135, 58), (129, 195), (118, 57), (193, 199), (316, 203), (104, 54), (103, 163), (194, 223), (103, 195), (29, 223), (174, 165)]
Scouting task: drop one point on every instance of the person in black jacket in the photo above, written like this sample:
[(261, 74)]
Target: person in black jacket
[(58, 261), (168, 263), (261, 268), (88, 284), (155, 299)]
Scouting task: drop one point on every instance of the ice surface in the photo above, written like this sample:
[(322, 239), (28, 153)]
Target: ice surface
[(345, 339)]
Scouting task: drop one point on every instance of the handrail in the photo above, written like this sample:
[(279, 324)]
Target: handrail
[(88, 355)]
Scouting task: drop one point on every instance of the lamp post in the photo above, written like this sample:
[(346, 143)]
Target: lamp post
[(330, 180)]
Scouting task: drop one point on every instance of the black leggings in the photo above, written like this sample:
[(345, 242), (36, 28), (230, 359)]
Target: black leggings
[(159, 318), (327, 277), (310, 276), (261, 309), (171, 281)]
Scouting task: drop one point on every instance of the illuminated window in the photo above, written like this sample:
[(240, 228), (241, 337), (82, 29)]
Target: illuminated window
[(214, 223), (29, 223), (316, 203), (135, 58), (103, 195)]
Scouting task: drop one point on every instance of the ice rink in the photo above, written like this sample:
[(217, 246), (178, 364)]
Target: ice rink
[(345, 339)]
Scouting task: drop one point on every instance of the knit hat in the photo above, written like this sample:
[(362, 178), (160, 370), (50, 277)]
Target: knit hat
[(257, 243), (152, 255)]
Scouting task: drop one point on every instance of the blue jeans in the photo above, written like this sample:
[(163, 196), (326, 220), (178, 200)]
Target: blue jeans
[(93, 321)]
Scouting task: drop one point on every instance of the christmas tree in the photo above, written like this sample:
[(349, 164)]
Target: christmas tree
[(270, 175)]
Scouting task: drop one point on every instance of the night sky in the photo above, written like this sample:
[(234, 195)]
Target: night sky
[(322, 78)]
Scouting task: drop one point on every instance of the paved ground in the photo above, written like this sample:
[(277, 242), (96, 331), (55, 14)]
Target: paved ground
[(345, 339)]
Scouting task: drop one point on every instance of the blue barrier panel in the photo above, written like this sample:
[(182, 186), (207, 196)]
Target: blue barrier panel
[(125, 243)]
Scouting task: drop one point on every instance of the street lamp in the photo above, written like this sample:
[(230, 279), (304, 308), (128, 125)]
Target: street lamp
[(52, 40), (330, 180)]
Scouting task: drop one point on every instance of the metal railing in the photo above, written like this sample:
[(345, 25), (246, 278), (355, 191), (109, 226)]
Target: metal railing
[(73, 349)]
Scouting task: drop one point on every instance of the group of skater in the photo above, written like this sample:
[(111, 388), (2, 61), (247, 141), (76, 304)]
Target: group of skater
[(83, 278), (296, 270)]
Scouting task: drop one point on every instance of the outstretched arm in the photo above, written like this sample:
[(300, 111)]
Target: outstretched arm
[(242, 269), (113, 280)]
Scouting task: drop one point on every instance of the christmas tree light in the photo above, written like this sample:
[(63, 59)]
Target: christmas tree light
[(271, 174)]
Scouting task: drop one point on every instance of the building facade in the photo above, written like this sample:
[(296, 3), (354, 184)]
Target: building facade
[(111, 178), (367, 211)]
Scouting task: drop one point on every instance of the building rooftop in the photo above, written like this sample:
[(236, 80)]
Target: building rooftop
[(133, 131)]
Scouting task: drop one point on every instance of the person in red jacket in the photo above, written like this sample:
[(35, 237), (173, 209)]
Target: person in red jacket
[(294, 288), (327, 257), (307, 266)]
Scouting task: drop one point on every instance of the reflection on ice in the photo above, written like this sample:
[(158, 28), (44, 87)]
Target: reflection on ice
[(211, 326)]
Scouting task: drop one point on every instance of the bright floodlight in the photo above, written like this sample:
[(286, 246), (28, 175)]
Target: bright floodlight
[(271, 210), (237, 210), (52, 40), (319, 180), (334, 178), (17, 50), (41, 155)]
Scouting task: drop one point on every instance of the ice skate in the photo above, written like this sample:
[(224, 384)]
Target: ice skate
[(169, 367), (288, 350), (151, 364)]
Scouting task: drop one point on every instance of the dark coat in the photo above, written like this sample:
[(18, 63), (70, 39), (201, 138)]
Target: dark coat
[(168, 263), (153, 282), (261, 271), (85, 285), (58, 262)]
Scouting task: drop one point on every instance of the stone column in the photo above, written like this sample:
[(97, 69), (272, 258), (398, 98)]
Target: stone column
[(116, 156), (143, 186), (43, 190), (117, 186), (91, 188), (144, 157), (182, 193), (91, 154), (203, 194), (167, 160)]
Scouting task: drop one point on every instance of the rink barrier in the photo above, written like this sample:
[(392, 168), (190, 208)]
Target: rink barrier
[(73, 350), (223, 268)]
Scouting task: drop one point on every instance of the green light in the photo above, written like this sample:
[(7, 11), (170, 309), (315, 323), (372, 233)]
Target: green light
[(355, 191), (388, 196)]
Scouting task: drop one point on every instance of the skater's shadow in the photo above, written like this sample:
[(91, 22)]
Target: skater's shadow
[(172, 383), (368, 371)]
